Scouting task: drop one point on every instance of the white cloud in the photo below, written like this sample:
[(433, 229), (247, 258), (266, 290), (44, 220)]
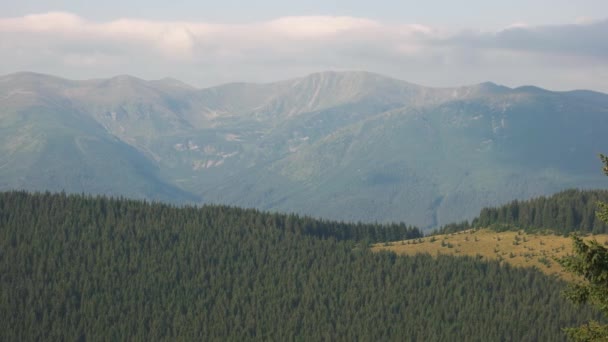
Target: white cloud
[(318, 27), (183, 39), (56, 22), (208, 53)]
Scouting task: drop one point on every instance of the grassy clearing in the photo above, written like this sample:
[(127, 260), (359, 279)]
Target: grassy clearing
[(516, 248)]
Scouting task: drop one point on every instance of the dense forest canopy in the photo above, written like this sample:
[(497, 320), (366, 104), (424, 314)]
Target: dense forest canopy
[(565, 212), (88, 268)]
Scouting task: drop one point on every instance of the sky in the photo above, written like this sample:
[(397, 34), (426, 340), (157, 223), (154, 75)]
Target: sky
[(558, 44)]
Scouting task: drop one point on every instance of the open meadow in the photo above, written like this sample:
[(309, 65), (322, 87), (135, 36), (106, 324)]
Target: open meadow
[(514, 247)]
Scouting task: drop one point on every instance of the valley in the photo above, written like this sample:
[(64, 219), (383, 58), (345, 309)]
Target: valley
[(353, 146), (417, 171)]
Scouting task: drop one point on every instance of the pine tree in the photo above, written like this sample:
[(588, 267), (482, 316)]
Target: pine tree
[(590, 261)]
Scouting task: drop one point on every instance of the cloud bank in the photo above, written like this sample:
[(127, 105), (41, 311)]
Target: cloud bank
[(557, 57)]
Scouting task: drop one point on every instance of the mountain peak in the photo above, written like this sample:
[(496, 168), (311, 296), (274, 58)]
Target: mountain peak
[(357, 76), (531, 89), (335, 88), (349, 145), (491, 87), (124, 79), (172, 82), (33, 77)]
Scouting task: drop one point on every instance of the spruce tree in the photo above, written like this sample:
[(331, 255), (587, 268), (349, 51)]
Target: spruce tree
[(590, 262)]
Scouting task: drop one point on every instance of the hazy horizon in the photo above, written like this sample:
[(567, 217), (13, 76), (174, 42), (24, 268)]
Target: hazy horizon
[(288, 79), (553, 45)]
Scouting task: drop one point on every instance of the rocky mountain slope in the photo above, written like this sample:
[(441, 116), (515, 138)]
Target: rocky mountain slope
[(340, 145)]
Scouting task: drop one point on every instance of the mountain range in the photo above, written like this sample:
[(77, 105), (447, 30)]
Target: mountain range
[(352, 146)]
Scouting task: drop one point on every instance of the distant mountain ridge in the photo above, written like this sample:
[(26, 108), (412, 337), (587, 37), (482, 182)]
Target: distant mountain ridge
[(340, 145)]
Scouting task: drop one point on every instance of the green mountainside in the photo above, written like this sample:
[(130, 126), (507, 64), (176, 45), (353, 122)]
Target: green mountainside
[(46, 142), (340, 145), (91, 268)]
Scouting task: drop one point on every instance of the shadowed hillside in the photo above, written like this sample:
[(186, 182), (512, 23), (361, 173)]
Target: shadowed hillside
[(352, 146)]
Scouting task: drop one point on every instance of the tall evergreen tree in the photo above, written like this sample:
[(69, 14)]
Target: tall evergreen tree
[(590, 262), (82, 268)]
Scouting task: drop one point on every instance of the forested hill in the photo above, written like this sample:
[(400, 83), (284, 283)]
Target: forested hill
[(83, 268), (565, 212)]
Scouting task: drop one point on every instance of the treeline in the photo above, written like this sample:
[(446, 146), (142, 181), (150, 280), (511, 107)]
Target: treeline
[(83, 268), (563, 213), (341, 231)]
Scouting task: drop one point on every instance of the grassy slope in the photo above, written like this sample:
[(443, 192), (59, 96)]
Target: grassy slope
[(516, 248)]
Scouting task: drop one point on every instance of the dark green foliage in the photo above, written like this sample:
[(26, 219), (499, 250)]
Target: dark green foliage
[(453, 228), (590, 262), (603, 207), (349, 231), (563, 213), (83, 268)]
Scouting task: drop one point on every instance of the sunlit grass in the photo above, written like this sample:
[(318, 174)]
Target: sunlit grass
[(513, 247)]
